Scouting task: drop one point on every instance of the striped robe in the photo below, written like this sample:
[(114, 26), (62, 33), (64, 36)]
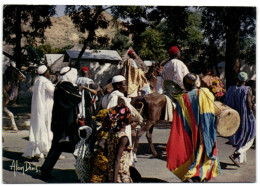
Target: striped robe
[(192, 147)]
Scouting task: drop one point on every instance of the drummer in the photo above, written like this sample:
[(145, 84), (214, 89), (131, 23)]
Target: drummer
[(193, 133), (243, 139)]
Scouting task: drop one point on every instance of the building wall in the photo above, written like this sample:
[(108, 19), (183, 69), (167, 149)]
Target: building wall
[(101, 72)]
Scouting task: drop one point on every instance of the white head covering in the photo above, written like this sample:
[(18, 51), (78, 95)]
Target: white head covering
[(42, 69), (69, 74), (118, 78)]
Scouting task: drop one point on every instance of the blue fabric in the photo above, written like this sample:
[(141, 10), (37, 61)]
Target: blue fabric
[(236, 99), (208, 127)]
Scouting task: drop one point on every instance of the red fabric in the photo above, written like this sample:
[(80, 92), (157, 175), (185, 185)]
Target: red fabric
[(84, 69), (173, 50), (179, 147), (193, 120), (130, 52)]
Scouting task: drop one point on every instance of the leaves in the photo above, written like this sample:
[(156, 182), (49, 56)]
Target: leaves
[(25, 22)]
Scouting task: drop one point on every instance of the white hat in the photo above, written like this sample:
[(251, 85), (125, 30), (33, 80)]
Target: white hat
[(42, 69), (118, 78), (64, 70)]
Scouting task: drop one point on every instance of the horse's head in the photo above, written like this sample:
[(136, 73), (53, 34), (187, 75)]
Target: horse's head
[(16, 74), (12, 74)]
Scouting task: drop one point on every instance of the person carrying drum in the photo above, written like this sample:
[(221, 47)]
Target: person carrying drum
[(192, 148), (240, 98)]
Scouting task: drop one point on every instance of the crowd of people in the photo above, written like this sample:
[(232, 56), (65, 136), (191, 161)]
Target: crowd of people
[(65, 118)]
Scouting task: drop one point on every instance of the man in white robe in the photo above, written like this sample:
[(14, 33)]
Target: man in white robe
[(111, 100), (40, 135), (173, 72)]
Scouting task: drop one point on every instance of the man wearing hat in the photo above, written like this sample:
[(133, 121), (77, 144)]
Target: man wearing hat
[(40, 136), (173, 72), (113, 99), (240, 98), (64, 117), (87, 106), (135, 77), (193, 133)]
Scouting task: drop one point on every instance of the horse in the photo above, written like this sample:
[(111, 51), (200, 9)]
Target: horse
[(154, 107), (11, 78)]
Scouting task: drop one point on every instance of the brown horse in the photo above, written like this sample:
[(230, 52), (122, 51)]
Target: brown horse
[(154, 106), (11, 78)]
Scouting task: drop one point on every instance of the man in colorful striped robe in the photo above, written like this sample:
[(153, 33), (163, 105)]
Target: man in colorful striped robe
[(192, 147)]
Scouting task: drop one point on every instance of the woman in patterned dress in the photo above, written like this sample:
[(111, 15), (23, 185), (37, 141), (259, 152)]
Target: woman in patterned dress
[(118, 146), (100, 161)]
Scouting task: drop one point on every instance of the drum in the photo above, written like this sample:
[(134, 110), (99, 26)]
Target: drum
[(228, 119)]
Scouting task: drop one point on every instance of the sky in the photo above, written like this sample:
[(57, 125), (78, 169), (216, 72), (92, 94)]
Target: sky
[(60, 10)]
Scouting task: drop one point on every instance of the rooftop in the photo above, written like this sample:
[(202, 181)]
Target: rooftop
[(110, 55)]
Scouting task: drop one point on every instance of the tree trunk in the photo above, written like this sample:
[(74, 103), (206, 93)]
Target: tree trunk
[(89, 39), (232, 66), (18, 38)]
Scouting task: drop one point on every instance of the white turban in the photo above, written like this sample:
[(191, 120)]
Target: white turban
[(118, 78), (42, 69), (69, 74)]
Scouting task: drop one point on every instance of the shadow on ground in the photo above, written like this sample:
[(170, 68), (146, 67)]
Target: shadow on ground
[(226, 166), (18, 164), (144, 149)]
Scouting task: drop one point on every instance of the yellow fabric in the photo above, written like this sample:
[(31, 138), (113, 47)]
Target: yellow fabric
[(206, 103), (135, 78)]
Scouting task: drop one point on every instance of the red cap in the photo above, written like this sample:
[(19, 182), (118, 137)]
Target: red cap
[(173, 50), (130, 52), (84, 69)]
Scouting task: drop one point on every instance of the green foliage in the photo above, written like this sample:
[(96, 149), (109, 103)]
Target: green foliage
[(135, 21), (32, 54), (120, 43), (89, 19), (249, 50), (173, 22), (25, 22), (47, 49), (152, 47)]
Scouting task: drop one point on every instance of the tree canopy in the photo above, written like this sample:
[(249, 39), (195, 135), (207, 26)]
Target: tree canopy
[(23, 24), (206, 35)]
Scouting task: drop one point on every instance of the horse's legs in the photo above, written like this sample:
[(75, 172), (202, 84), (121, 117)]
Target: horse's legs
[(11, 115), (140, 132), (150, 141)]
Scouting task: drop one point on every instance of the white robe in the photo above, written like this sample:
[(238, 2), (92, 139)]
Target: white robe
[(111, 100), (175, 70), (86, 82), (159, 85), (40, 135)]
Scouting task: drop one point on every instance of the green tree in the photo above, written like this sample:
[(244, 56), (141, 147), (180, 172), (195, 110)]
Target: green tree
[(173, 23), (120, 43), (25, 22), (32, 54), (47, 49), (152, 46), (88, 19), (224, 29), (135, 22)]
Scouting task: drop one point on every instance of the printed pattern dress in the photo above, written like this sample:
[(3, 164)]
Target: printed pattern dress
[(123, 173)]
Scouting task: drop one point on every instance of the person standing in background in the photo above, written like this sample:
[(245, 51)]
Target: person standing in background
[(40, 135), (240, 98)]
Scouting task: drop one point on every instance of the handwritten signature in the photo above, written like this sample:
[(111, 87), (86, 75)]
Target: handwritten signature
[(26, 166)]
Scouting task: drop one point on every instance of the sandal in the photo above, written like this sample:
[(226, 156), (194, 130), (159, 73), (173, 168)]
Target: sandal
[(234, 160)]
